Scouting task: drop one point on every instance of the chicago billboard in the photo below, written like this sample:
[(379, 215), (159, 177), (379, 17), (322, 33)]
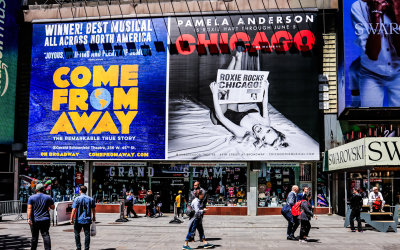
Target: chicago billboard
[(236, 88), (371, 54)]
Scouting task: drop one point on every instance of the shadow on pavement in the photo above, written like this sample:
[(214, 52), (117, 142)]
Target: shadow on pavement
[(313, 240), (215, 246), (14, 242), (213, 239)]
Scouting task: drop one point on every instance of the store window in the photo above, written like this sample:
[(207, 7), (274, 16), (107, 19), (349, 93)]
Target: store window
[(61, 179), (275, 182), (322, 187), (111, 181), (225, 183), (387, 179)]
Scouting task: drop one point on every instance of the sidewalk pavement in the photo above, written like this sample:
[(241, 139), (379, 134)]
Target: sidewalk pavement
[(225, 232)]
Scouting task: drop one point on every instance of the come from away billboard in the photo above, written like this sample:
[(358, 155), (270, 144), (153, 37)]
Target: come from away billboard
[(108, 90)]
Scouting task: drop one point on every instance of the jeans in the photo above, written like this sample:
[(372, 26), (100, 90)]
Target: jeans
[(130, 210), (292, 226), (179, 211), (43, 227), (293, 222), (374, 89), (305, 228), (355, 214), (197, 223), (77, 230)]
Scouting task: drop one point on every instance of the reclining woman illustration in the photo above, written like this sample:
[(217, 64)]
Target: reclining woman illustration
[(244, 120)]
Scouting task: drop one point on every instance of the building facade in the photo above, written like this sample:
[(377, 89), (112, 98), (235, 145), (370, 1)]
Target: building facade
[(123, 96)]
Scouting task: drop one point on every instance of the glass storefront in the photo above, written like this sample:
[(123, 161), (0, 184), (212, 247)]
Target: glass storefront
[(322, 187), (387, 179), (275, 182), (276, 179), (61, 179), (225, 183)]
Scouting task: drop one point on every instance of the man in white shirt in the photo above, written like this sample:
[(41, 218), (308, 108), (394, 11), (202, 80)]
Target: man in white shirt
[(376, 25), (374, 195)]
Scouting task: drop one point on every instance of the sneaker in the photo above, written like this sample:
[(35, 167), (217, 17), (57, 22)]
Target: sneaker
[(302, 241), (353, 230), (208, 245), (361, 231), (290, 238), (186, 247)]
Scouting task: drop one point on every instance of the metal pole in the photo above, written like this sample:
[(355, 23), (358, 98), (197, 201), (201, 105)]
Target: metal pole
[(345, 193), (368, 184), (329, 194)]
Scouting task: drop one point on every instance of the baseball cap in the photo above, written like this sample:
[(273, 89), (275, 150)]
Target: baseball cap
[(39, 187), (180, 191)]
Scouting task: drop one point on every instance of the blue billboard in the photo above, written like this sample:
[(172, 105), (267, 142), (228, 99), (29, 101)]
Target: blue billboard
[(371, 55), (95, 94), (8, 68)]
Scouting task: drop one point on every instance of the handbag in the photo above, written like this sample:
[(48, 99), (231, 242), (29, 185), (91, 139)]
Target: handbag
[(93, 229)]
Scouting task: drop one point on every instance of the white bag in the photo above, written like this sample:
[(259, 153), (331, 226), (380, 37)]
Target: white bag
[(93, 229)]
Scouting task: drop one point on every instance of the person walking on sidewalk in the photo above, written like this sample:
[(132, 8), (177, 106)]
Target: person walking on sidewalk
[(196, 223), (38, 217), (149, 199), (293, 221), (130, 201), (180, 203), (356, 203), (305, 217), (81, 217)]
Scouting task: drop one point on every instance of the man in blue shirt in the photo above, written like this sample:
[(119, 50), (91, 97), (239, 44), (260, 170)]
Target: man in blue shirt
[(38, 216), (81, 216)]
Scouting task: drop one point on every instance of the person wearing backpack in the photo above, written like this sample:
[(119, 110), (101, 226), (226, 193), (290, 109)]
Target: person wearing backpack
[(196, 223), (305, 216), (293, 222)]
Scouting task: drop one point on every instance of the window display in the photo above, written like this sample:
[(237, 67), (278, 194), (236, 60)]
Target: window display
[(322, 187), (61, 179), (275, 182), (226, 185), (111, 181)]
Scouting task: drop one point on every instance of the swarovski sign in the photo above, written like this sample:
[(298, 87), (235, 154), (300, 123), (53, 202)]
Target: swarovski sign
[(373, 151)]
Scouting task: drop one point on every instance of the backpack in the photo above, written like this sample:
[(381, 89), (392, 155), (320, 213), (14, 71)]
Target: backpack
[(296, 209)]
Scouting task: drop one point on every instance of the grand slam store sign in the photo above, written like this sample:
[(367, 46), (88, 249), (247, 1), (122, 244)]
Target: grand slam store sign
[(99, 89)]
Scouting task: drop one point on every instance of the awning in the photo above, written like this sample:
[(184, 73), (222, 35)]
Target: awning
[(372, 151)]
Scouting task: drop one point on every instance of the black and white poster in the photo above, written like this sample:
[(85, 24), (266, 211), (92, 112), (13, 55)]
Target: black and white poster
[(217, 111)]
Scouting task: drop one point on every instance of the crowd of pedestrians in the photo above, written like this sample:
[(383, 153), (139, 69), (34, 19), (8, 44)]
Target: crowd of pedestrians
[(298, 211)]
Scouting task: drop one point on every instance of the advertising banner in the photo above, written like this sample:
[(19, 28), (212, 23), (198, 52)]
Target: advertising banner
[(372, 62), (91, 97), (241, 86), (206, 122), (255, 99), (8, 68)]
